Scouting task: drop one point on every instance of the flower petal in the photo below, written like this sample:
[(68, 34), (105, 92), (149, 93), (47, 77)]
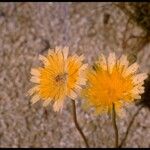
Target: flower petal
[(35, 72), (111, 61), (83, 67), (58, 105), (73, 95), (57, 49), (35, 99), (81, 81), (139, 78), (130, 70), (35, 79), (81, 57), (46, 102), (102, 62), (78, 88), (123, 61), (44, 60), (33, 90), (65, 52)]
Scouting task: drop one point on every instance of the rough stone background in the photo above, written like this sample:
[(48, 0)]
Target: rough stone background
[(28, 29)]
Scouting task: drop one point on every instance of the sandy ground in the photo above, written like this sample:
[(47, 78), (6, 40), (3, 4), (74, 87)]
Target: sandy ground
[(29, 29)]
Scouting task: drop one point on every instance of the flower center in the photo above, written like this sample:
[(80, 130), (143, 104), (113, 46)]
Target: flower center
[(61, 78)]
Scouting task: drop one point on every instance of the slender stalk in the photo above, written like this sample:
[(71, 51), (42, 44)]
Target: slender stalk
[(129, 126), (115, 125), (77, 125)]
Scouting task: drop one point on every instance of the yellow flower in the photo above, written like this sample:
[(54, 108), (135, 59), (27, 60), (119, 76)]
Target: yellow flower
[(113, 81), (60, 76)]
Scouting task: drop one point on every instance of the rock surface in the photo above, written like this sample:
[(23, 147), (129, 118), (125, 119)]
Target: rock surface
[(29, 29)]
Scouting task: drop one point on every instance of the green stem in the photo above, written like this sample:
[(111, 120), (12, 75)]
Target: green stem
[(77, 125), (115, 125)]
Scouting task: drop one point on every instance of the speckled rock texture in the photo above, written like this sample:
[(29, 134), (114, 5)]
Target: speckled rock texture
[(29, 29)]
